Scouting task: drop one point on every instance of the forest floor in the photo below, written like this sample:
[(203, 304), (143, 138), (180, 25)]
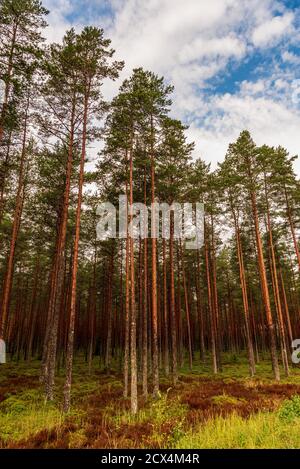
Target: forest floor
[(230, 410)]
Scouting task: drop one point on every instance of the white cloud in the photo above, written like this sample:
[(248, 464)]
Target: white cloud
[(200, 48), (58, 9), (290, 57), (270, 31), (248, 87), (271, 118), (191, 42)]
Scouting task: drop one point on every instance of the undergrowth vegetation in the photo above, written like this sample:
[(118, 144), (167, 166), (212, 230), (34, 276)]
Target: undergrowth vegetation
[(276, 430), (228, 411)]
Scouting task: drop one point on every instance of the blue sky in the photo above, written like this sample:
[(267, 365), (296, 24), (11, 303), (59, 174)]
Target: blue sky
[(234, 63)]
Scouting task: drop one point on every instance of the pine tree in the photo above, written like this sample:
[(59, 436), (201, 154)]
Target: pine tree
[(21, 22), (232, 192), (93, 67), (245, 153), (25, 116), (60, 117)]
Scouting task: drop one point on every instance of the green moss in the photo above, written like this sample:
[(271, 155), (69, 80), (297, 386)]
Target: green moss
[(225, 399), (18, 426), (18, 403)]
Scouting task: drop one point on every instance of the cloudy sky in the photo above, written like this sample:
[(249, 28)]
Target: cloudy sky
[(234, 63)]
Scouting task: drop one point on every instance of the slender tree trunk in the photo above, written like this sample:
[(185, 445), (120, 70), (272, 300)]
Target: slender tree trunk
[(50, 342), (187, 309), (127, 309), (172, 302), (92, 316), (33, 309), (215, 302), (244, 294), (108, 353), (276, 285), (145, 303), (133, 354), (155, 370), (179, 311), (210, 306), (70, 345), (166, 328), (264, 287), (286, 308), (200, 312)]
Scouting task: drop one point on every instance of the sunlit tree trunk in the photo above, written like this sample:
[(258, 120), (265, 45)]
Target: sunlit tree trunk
[(166, 322), (145, 300), (172, 302), (187, 309), (209, 298), (264, 287), (155, 371), (244, 294), (133, 352)]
